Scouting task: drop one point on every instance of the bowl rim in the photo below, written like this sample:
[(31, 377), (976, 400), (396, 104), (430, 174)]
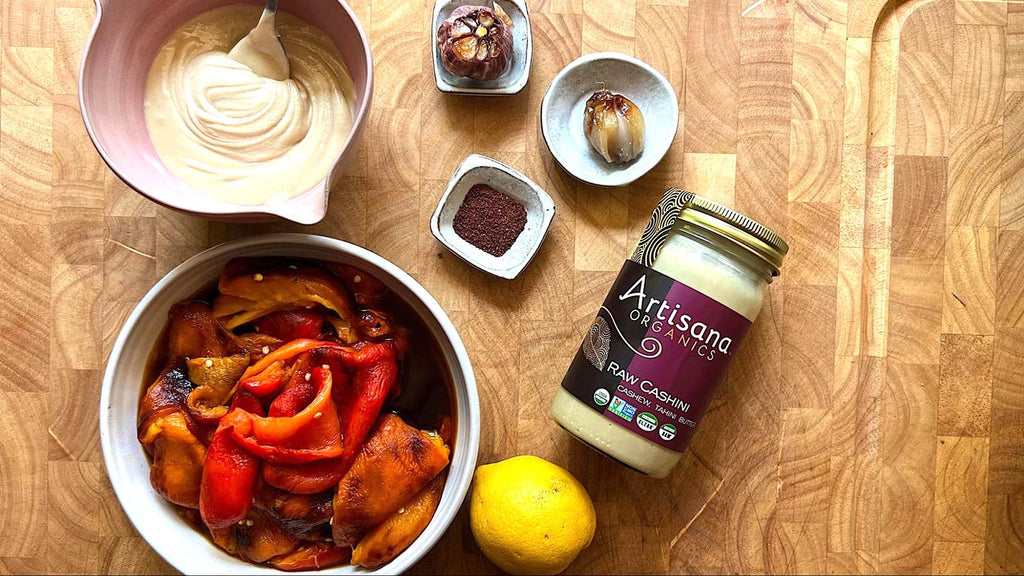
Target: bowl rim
[(610, 182), (460, 481), (262, 212)]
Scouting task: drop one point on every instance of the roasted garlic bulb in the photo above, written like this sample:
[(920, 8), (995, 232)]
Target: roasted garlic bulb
[(476, 42), (614, 126)]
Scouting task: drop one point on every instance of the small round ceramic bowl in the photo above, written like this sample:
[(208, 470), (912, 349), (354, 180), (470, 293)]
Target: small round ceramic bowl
[(182, 546), (562, 109), (125, 38)]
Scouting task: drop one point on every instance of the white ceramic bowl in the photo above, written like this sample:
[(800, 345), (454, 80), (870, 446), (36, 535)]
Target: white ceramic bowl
[(562, 109), (156, 520)]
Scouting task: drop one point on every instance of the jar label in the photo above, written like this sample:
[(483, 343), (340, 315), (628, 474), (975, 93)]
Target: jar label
[(655, 355)]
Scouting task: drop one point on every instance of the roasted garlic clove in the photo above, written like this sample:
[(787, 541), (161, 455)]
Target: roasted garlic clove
[(476, 42), (500, 14), (614, 126)]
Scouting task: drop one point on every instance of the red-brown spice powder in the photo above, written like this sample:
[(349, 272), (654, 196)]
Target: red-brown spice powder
[(489, 219)]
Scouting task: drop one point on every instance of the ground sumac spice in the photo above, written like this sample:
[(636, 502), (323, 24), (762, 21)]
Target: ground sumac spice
[(489, 219)]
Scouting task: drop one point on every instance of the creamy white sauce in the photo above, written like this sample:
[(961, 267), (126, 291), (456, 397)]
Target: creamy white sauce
[(706, 270), (261, 51), (238, 136)]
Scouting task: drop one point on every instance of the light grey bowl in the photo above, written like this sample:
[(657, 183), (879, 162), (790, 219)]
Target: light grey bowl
[(565, 100), (540, 209), (515, 77)]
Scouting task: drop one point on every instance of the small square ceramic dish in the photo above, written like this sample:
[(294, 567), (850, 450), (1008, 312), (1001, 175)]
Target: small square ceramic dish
[(565, 100), (515, 77), (540, 209)]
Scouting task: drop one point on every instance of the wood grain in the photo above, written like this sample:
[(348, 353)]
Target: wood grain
[(874, 422)]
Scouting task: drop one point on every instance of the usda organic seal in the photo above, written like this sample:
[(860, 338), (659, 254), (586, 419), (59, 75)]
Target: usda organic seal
[(601, 396)]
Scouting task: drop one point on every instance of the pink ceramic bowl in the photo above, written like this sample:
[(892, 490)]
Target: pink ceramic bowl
[(125, 39)]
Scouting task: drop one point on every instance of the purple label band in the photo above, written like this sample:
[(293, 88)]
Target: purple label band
[(661, 349)]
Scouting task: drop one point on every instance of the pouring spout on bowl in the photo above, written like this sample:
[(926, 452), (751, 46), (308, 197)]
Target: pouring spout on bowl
[(309, 208)]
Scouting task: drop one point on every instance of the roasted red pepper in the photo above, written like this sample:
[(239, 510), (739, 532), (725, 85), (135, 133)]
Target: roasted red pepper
[(266, 383), (309, 478), (373, 371), (299, 392), (305, 516), (313, 556), (194, 332), (230, 473), (251, 288), (311, 434), (286, 352), (272, 453), (291, 324), (169, 393), (274, 430), (312, 477)]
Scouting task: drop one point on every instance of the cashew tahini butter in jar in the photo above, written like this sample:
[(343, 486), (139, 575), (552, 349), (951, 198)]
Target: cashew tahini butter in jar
[(663, 340)]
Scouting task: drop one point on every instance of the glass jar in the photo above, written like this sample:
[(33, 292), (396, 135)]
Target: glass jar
[(667, 332)]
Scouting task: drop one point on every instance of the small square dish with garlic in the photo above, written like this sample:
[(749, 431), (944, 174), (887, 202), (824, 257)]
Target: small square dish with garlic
[(482, 47)]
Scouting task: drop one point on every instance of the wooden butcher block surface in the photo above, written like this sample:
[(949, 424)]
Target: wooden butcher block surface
[(874, 419)]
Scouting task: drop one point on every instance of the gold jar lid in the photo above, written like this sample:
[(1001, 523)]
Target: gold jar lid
[(725, 221)]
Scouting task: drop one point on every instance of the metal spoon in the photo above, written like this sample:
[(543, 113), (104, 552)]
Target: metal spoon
[(261, 50)]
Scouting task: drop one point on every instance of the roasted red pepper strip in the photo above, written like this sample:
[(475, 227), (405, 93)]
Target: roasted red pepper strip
[(285, 352), (230, 473), (373, 371), (323, 430), (311, 477), (274, 430), (287, 455), (308, 478), (266, 383), (291, 324), (312, 434), (299, 392), (374, 375), (313, 556)]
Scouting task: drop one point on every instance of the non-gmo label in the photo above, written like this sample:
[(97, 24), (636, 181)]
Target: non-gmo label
[(658, 349), (622, 409)]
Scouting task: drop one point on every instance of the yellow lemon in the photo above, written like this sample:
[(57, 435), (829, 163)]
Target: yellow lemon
[(530, 516)]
